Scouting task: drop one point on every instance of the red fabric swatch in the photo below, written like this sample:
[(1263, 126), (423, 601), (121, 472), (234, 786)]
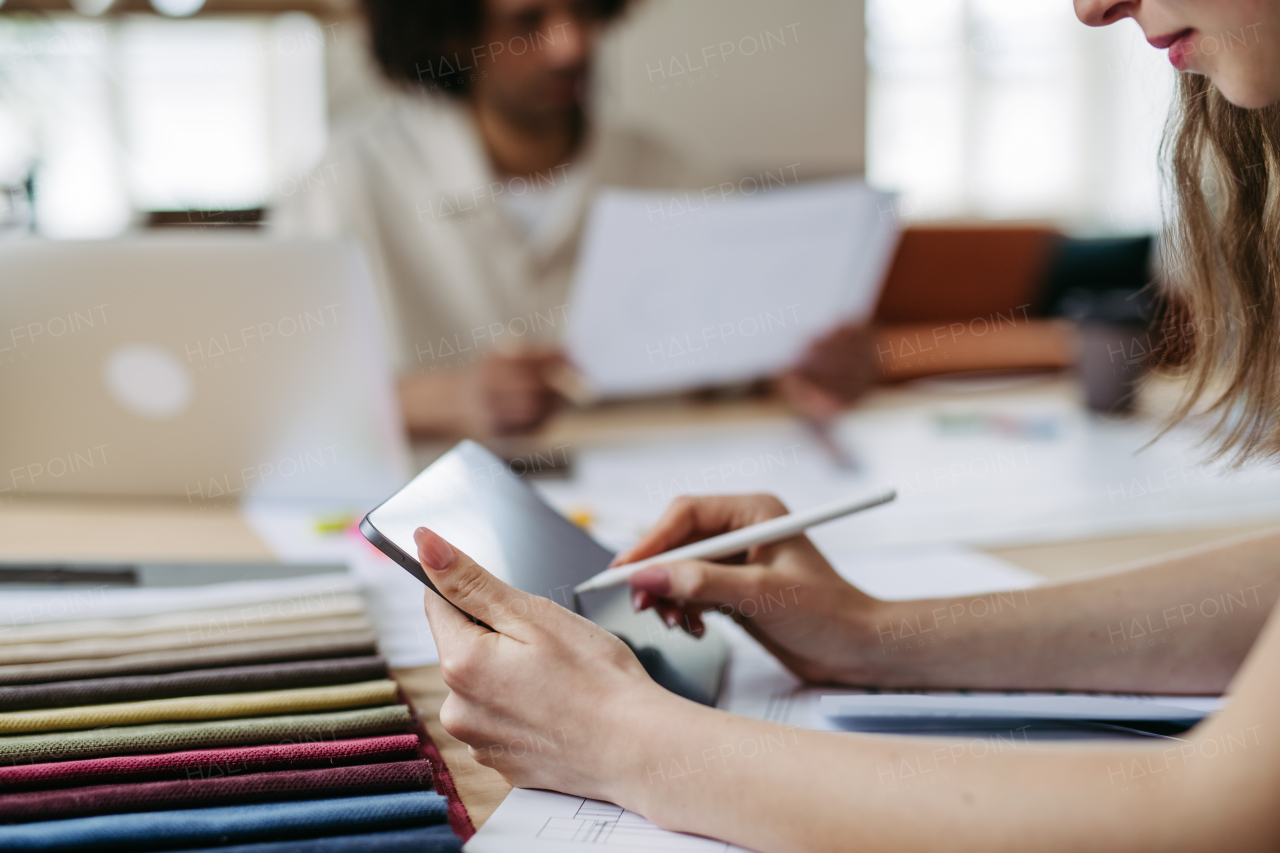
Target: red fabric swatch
[(221, 791), (207, 763)]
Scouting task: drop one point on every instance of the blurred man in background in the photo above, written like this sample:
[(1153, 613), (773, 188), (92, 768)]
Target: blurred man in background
[(469, 190)]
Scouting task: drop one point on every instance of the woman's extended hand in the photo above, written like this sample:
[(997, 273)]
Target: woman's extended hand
[(786, 595), (547, 698)]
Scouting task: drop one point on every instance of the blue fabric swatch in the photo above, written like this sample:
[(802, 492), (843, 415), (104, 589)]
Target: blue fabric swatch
[(427, 839), (228, 825)]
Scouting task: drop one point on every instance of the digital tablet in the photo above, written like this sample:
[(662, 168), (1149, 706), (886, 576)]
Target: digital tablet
[(471, 498)]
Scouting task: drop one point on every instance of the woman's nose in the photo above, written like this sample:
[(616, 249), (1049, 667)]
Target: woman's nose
[(1099, 13)]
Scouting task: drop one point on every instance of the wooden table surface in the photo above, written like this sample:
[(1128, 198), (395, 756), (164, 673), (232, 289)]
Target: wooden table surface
[(122, 529)]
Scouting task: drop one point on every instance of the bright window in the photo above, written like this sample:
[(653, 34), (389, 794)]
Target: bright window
[(141, 113), (1006, 109)]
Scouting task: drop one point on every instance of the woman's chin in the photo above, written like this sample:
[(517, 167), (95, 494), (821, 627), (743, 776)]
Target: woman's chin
[(1246, 94)]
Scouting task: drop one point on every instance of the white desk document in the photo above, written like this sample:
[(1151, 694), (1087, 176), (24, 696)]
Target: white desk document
[(546, 822), (679, 290)]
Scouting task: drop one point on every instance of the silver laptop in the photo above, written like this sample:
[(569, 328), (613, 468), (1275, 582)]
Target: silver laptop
[(203, 368)]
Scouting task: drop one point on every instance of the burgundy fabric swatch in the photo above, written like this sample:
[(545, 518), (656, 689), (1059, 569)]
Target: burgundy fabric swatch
[(200, 682), (360, 780), (208, 763)]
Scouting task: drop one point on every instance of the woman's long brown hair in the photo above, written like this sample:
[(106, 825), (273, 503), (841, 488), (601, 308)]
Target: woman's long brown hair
[(1222, 267)]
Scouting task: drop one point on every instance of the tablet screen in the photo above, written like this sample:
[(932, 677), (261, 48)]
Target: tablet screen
[(471, 498)]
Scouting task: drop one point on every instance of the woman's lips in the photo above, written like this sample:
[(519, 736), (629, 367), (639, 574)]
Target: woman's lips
[(1180, 46)]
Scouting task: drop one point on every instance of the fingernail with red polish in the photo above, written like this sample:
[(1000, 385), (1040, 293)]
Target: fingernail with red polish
[(433, 551), (654, 579)]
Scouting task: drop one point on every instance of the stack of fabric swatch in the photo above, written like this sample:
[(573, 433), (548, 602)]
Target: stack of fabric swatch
[(251, 717)]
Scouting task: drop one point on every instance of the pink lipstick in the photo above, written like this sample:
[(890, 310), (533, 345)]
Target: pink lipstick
[(1180, 46)]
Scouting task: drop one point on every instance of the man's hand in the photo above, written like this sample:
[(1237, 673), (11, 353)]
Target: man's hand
[(833, 372), (513, 390), (504, 394)]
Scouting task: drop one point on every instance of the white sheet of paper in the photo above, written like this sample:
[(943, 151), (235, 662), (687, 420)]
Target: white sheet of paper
[(676, 291), (1032, 467), (547, 822)]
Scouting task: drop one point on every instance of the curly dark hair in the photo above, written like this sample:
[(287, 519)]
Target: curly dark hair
[(432, 43)]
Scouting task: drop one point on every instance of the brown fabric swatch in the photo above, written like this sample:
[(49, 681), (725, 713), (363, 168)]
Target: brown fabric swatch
[(237, 679)]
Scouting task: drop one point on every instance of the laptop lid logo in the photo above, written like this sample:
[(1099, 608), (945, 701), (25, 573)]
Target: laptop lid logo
[(148, 381)]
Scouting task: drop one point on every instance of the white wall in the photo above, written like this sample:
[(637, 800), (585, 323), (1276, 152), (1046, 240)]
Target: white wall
[(802, 100)]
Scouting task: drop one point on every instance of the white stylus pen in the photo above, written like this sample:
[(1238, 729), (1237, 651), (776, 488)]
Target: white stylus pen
[(737, 541)]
